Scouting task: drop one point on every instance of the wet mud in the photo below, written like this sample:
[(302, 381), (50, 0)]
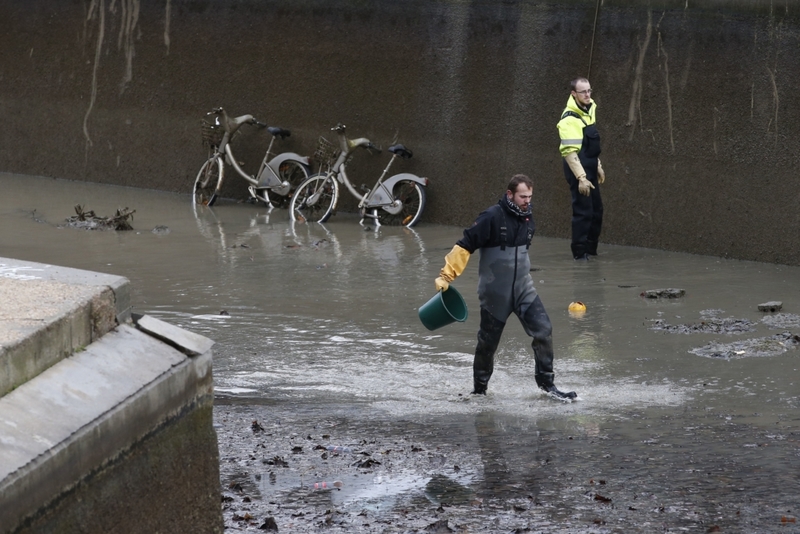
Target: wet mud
[(748, 348), (755, 347), (324, 375), (716, 326), (292, 471), (709, 324), (782, 320)]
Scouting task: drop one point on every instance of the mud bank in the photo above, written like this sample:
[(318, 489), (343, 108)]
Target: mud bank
[(346, 470)]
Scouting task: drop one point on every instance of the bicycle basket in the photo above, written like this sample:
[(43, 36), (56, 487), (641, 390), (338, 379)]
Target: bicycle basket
[(212, 134), (326, 153)]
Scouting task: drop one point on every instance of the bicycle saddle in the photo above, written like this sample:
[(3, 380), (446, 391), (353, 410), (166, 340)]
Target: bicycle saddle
[(401, 151), (279, 132)]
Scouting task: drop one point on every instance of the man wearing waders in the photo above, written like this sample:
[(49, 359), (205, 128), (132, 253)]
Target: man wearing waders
[(580, 147), (503, 234)]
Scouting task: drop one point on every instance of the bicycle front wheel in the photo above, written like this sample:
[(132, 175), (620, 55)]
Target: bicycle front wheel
[(315, 199), (208, 180), (412, 200)]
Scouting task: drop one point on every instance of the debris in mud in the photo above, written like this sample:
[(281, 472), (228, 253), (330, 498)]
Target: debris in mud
[(269, 524), (87, 220), (276, 460), (161, 230), (708, 325), (601, 498), (782, 321), (758, 347), (771, 306), (669, 293), (366, 464), (439, 526)]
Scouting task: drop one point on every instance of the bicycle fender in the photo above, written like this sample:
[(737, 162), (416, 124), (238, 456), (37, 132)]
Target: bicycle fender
[(380, 195), (275, 163), (269, 177)]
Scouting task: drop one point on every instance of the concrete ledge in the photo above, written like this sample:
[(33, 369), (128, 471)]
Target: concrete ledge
[(84, 411), (48, 312)]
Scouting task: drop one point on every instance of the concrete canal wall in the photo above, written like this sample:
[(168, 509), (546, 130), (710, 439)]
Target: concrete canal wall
[(105, 417), (695, 101)]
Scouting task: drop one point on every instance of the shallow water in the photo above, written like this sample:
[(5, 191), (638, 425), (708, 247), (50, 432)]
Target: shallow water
[(320, 322)]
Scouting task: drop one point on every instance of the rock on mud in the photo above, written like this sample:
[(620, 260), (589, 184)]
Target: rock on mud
[(669, 293), (771, 306)]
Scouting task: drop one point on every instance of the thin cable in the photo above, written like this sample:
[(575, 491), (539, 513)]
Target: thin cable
[(594, 29)]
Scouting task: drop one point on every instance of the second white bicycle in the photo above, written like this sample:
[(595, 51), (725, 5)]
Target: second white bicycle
[(398, 200)]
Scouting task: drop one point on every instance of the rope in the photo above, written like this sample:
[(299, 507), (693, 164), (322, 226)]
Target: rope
[(594, 30)]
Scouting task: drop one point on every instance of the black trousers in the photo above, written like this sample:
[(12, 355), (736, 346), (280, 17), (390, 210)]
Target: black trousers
[(536, 323), (587, 213)]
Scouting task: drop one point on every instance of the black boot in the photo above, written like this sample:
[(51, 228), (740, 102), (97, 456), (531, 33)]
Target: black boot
[(545, 383), (579, 251), (554, 391), (591, 248), (478, 389)]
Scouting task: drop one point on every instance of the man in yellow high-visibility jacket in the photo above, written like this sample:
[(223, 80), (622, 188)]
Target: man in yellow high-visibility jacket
[(580, 148)]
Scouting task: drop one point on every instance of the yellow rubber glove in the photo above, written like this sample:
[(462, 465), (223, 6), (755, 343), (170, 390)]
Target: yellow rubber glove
[(454, 264), (575, 166), (601, 174)]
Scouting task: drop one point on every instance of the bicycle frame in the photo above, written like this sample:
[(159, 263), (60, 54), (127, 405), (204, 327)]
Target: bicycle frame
[(394, 200), (268, 177), (380, 195)]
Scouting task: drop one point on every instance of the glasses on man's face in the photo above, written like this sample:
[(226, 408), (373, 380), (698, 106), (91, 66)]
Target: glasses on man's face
[(585, 92)]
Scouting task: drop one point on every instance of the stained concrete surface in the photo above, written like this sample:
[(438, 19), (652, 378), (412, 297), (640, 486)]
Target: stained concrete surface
[(95, 413), (695, 101)]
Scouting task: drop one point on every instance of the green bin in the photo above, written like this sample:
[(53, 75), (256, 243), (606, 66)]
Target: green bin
[(442, 309)]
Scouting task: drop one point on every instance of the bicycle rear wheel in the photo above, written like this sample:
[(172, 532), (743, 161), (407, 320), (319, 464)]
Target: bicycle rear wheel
[(207, 182), (315, 199), (292, 172), (412, 198)]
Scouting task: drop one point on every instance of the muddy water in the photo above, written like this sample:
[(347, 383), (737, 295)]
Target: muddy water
[(687, 417)]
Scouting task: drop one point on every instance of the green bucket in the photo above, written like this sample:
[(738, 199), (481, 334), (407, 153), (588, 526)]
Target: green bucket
[(442, 309)]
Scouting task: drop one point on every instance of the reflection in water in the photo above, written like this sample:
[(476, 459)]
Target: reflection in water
[(326, 315)]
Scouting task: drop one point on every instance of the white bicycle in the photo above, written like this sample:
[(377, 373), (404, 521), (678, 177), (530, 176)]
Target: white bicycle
[(279, 175), (397, 200)]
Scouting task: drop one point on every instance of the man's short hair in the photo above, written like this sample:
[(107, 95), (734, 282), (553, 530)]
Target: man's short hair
[(519, 179), (574, 83)]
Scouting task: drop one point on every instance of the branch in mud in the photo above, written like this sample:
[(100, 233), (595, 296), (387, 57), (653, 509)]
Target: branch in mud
[(88, 220)]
